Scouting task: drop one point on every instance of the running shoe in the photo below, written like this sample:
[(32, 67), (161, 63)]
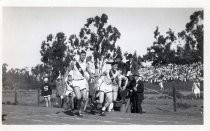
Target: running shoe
[(93, 105), (67, 108), (80, 114), (92, 112), (112, 110), (102, 113)]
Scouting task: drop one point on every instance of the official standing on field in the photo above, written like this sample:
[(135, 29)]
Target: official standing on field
[(128, 64), (131, 66), (138, 94)]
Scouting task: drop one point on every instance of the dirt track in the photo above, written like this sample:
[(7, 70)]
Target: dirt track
[(28, 115)]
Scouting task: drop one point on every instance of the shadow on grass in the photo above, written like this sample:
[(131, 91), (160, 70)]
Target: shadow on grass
[(69, 112)]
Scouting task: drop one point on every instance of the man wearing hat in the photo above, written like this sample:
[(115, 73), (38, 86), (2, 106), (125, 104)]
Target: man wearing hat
[(121, 65), (107, 86), (131, 65), (138, 94)]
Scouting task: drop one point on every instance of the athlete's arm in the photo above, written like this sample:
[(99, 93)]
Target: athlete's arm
[(65, 89), (89, 71), (119, 78), (68, 69), (119, 81), (103, 73), (126, 82)]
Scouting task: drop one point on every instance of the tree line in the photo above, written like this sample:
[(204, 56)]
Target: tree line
[(18, 78)]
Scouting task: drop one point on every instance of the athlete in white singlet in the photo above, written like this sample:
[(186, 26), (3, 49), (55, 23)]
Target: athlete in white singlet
[(105, 88), (80, 84), (69, 92)]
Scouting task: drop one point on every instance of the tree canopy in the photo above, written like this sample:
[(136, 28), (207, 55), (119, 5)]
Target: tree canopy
[(100, 37), (54, 55), (192, 51)]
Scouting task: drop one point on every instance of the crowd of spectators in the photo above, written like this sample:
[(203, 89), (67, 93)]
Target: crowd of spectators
[(170, 72)]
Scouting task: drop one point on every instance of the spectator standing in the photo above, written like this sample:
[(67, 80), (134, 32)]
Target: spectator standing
[(196, 88), (161, 85), (47, 92)]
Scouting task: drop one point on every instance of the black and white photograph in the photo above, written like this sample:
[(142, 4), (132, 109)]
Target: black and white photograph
[(102, 66)]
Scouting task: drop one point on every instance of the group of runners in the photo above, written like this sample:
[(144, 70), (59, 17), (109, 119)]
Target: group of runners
[(106, 86)]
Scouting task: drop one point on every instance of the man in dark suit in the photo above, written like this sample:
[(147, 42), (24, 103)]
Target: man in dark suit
[(138, 94), (128, 64), (121, 65), (131, 66)]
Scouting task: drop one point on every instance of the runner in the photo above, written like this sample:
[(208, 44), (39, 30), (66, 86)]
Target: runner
[(80, 84), (91, 82), (106, 82), (123, 83), (69, 92), (120, 81), (60, 91)]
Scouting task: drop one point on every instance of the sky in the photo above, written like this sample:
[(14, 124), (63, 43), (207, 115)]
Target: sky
[(24, 28)]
